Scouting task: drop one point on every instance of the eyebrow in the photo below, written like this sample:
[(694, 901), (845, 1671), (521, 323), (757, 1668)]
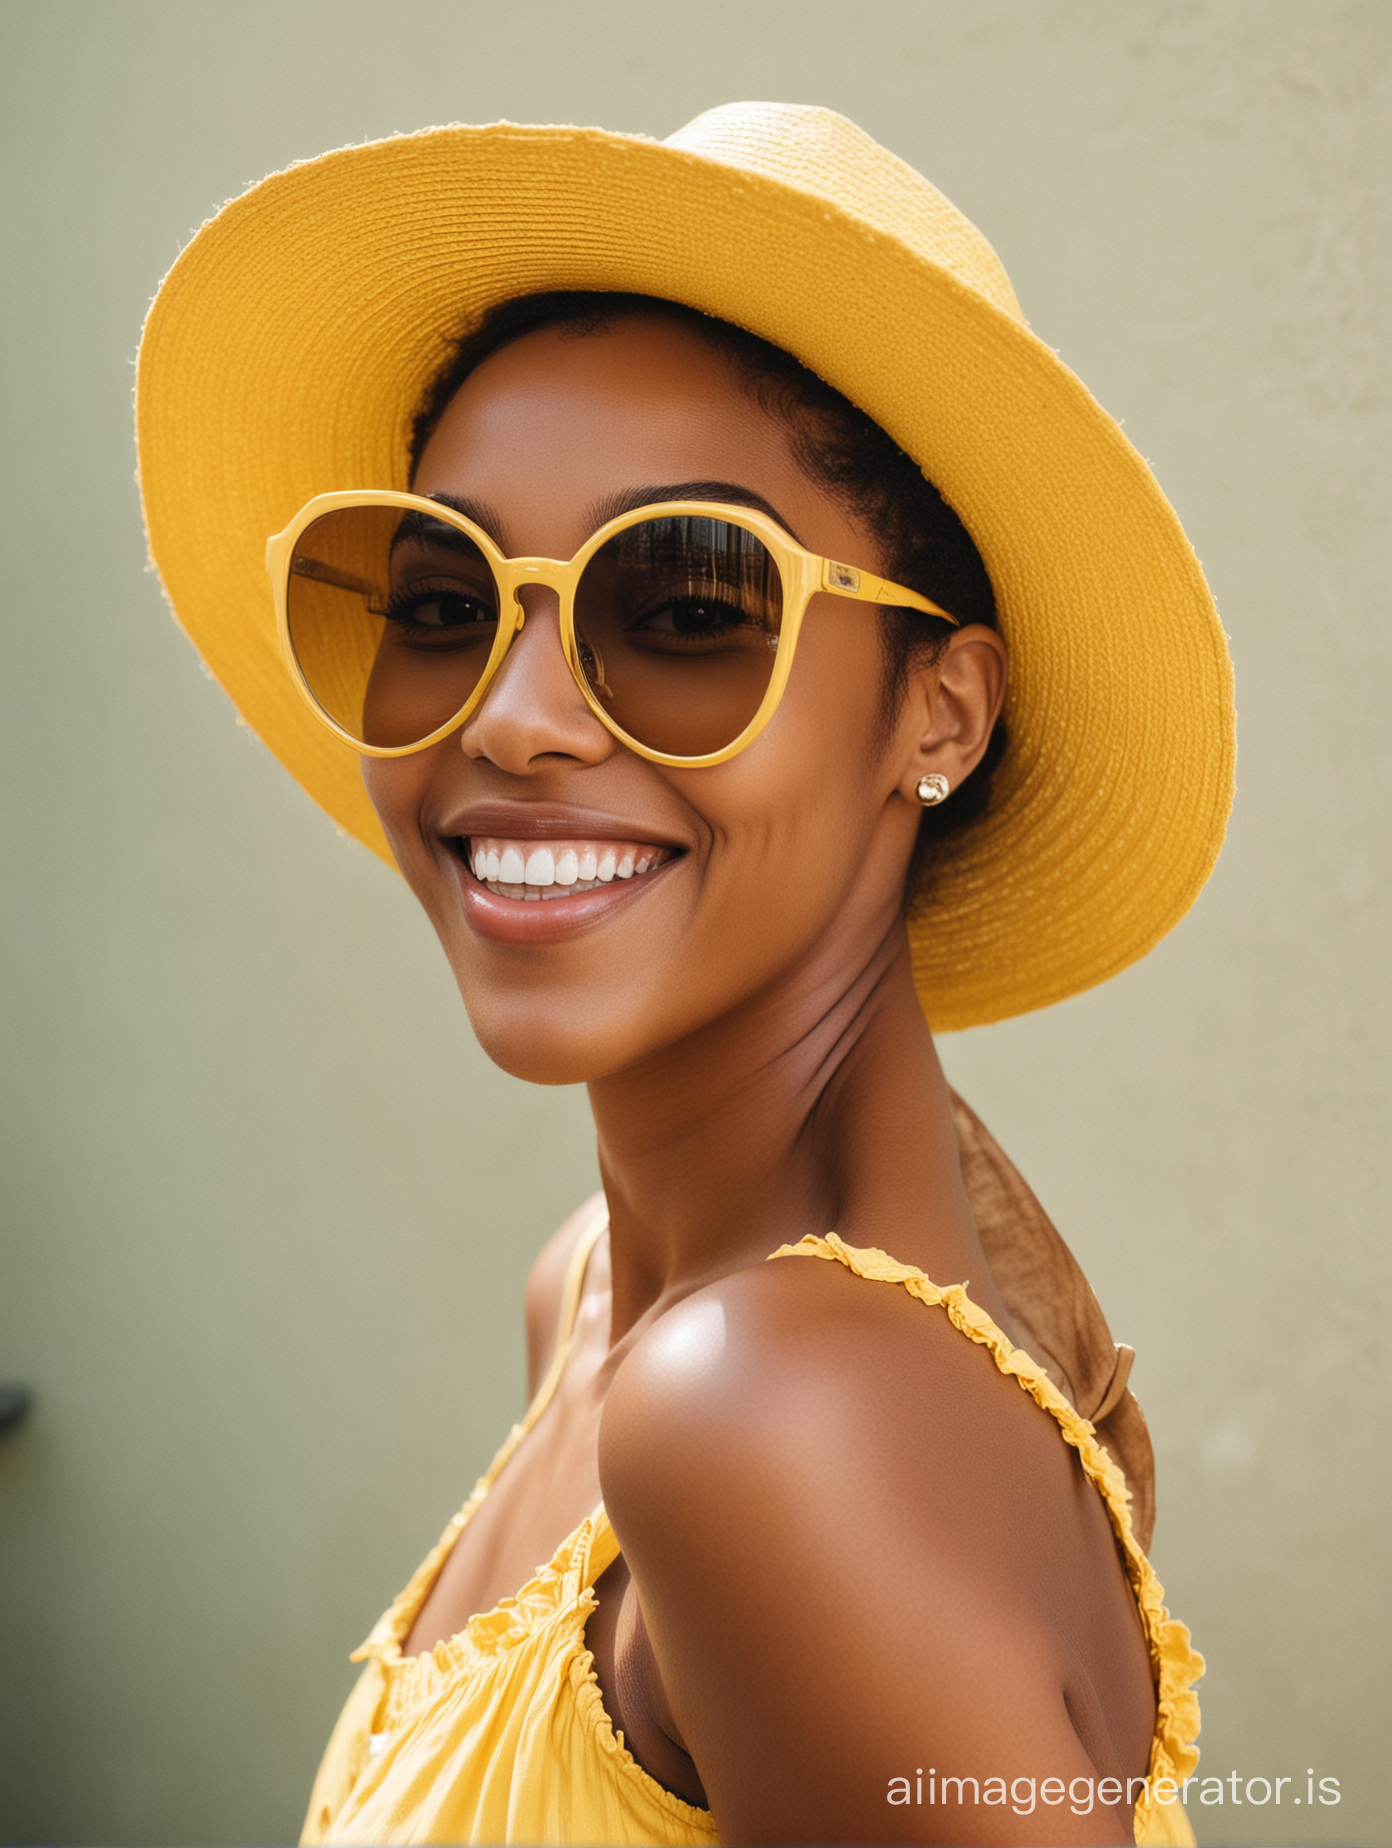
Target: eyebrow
[(626, 500), (480, 512), (727, 493)]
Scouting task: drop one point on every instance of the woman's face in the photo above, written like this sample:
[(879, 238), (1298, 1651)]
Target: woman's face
[(774, 874)]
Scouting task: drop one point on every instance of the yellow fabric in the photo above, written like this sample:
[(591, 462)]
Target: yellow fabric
[(290, 345), (500, 1733)]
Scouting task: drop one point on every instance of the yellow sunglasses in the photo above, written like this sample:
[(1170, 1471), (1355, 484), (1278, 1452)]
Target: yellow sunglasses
[(679, 620)]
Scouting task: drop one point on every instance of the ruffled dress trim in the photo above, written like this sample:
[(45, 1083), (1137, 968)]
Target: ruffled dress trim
[(589, 1701), (1177, 1665), (549, 1613), (393, 1626)]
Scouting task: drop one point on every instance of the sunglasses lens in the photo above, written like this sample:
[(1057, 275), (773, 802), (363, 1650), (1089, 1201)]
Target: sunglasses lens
[(392, 616), (677, 622)]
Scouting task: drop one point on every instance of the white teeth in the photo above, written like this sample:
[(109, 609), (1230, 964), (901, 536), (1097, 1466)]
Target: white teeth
[(541, 867), (532, 871)]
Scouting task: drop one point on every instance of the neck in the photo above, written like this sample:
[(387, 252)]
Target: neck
[(817, 1105)]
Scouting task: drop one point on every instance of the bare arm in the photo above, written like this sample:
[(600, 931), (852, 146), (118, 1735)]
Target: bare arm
[(854, 1545)]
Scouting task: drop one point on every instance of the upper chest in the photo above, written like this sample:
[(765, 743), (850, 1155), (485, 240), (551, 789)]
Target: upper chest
[(546, 1488)]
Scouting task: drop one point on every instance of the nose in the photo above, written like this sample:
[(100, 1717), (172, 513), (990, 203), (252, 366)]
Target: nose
[(534, 713)]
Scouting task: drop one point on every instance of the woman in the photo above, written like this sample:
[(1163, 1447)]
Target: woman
[(653, 522)]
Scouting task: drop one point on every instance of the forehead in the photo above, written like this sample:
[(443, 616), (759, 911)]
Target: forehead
[(556, 423)]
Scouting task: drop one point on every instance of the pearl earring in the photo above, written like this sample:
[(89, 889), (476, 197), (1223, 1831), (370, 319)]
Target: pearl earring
[(933, 789)]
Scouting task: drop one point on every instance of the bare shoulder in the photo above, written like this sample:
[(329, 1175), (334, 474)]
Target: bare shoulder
[(545, 1282), (846, 1529), (801, 1360)]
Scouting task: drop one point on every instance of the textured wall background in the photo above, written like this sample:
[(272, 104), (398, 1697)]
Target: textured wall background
[(268, 1210)]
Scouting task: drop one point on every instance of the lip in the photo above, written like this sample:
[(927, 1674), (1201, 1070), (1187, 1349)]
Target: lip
[(551, 822), (514, 921), (518, 923)]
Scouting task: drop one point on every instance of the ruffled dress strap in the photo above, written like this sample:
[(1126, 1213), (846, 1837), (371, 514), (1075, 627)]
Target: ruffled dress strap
[(392, 1626), (1175, 1662), (352, 1743)]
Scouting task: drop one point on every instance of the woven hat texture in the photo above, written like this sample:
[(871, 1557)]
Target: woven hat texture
[(289, 347)]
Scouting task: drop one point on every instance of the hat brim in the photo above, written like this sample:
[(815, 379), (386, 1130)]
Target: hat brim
[(288, 349)]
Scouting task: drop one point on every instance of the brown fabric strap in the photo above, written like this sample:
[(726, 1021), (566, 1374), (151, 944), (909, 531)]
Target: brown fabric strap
[(1060, 1321)]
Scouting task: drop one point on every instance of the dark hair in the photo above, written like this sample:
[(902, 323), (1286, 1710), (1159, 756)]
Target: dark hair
[(925, 545)]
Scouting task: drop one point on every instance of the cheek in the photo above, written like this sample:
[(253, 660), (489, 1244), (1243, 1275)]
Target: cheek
[(794, 819), (396, 788), (824, 766), (795, 860)]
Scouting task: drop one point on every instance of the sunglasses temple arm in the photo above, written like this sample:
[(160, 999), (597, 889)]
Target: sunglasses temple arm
[(904, 598), (865, 587), (301, 565)]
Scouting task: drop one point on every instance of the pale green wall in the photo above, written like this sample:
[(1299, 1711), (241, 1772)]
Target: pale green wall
[(268, 1209)]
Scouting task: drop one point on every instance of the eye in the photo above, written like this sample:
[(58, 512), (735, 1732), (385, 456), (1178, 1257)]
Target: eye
[(440, 609), (691, 615), (695, 619)]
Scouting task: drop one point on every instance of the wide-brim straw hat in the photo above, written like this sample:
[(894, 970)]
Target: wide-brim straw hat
[(291, 343)]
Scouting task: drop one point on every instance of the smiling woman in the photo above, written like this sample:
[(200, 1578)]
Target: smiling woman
[(741, 846), (651, 605)]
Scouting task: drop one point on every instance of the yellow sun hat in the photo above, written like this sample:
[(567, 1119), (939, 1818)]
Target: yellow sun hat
[(290, 346)]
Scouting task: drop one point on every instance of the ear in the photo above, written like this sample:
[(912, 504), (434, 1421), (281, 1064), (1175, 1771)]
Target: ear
[(951, 707)]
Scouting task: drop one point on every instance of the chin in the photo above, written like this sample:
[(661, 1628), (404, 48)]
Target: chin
[(546, 1044)]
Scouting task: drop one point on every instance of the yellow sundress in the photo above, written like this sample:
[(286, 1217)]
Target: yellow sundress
[(500, 1734)]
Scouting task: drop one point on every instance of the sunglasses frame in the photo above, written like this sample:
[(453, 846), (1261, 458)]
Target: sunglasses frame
[(804, 574)]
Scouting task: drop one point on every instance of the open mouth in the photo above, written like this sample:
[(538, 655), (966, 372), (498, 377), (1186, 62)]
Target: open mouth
[(557, 869)]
